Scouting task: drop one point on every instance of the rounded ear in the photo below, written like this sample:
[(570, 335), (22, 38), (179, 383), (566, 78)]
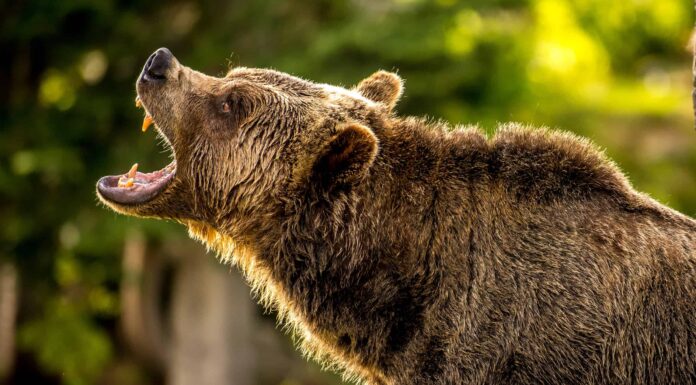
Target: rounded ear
[(382, 87), (346, 157)]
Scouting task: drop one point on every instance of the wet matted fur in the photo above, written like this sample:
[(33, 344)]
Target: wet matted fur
[(405, 251)]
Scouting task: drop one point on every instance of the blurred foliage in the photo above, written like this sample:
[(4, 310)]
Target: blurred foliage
[(616, 71), (66, 341)]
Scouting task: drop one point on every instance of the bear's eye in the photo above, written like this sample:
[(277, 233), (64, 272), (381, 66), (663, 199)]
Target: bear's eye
[(226, 107)]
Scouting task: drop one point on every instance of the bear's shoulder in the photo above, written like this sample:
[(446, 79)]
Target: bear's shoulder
[(530, 162), (545, 164)]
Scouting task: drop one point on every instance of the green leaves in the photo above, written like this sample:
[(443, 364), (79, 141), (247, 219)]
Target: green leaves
[(68, 344)]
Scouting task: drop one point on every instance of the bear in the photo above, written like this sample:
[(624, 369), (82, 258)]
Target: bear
[(400, 250)]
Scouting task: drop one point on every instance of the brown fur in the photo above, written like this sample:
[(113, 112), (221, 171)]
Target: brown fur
[(404, 251)]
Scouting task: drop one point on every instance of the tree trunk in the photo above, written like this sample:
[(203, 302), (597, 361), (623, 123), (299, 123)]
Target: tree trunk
[(141, 292), (212, 322), (9, 293)]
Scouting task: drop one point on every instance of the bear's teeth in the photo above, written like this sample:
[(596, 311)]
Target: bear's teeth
[(147, 122), (124, 183), (128, 180), (132, 171), (138, 103)]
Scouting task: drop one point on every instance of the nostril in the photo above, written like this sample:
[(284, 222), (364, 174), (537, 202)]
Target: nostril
[(158, 63)]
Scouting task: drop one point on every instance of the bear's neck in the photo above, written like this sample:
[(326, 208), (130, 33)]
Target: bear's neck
[(356, 275)]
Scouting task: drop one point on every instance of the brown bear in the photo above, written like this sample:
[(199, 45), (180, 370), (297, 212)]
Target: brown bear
[(404, 251)]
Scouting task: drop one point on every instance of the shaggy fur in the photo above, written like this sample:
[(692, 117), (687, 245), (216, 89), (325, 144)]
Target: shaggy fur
[(403, 251)]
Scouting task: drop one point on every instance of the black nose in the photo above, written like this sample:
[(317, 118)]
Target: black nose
[(157, 65)]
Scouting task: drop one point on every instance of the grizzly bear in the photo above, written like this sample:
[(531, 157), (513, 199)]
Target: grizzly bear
[(405, 251)]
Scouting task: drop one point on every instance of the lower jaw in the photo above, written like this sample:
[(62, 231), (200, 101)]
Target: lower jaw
[(141, 187)]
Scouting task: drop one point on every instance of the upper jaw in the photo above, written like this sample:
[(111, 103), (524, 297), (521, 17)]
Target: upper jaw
[(157, 87)]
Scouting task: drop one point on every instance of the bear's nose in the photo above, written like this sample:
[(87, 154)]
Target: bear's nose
[(157, 64)]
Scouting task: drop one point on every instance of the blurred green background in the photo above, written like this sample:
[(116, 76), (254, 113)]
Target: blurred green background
[(90, 297)]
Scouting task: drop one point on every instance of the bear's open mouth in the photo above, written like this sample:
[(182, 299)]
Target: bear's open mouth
[(135, 187)]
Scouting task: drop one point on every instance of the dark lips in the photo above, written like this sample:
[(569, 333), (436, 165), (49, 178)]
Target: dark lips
[(146, 186)]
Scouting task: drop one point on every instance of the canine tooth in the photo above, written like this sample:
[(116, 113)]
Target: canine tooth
[(123, 182), (147, 122), (132, 171), (138, 103)]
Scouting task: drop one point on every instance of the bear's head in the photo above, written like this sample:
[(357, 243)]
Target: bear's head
[(245, 143)]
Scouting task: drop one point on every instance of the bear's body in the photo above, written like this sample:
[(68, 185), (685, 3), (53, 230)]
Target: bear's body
[(412, 253), (522, 260)]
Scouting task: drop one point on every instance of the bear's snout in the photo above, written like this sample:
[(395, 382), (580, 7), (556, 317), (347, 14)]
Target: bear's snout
[(157, 66)]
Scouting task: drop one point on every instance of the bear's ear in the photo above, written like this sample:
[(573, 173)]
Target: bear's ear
[(346, 157), (382, 87)]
